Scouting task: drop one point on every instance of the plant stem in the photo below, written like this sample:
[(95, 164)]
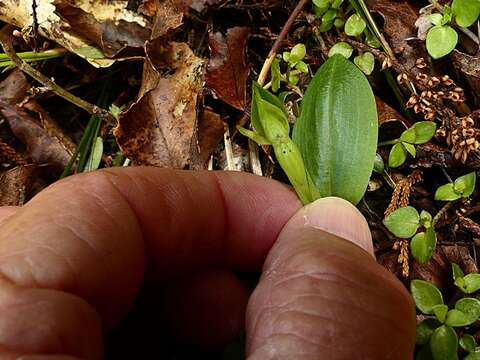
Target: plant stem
[(6, 43), (278, 43), (389, 142), (442, 212)]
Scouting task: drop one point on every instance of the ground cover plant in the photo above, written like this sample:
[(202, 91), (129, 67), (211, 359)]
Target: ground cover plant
[(375, 101)]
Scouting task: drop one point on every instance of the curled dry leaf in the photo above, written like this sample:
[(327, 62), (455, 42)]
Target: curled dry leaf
[(469, 67), (15, 184), (227, 71), (210, 132), (388, 114), (91, 29), (158, 129)]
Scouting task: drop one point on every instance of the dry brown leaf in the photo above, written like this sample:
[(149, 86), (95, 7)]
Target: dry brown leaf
[(227, 71), (210, 132), (469, 67), (158, 129), (388, 114), (15, 184)]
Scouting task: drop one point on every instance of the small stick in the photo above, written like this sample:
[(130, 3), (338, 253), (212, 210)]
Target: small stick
[(6, 43), (278, 43)]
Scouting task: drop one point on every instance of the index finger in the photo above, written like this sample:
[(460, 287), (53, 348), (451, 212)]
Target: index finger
[(88, 235)]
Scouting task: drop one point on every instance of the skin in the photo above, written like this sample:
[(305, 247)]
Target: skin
[(74, 259)]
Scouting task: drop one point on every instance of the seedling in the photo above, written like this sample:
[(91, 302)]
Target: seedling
[(295, 66), (405, 222), (462, 187), (442, 38), (436, 334), (321, 159), (420, 133), (467, 283)]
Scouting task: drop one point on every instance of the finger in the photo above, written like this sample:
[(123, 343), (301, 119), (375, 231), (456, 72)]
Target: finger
[(88, 235), (6, 212), (323, 296)]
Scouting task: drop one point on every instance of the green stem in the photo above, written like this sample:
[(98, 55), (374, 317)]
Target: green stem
[(389, 142)]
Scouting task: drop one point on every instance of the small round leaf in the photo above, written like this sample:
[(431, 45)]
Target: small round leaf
[(466, 12), (365, 62), (298, 53), (410, 148), (424, 131), (426, 218), (342, 48), (397, 156), (355, 25), (470, 307), (468, 343), (436, 19), (465, 185), (441, 40), (457, 318), (403, 222), (423, 245), (444, 343), (446, 193), (471, 283), (425, 330), (425, 295), (409, 136), (440, 312)]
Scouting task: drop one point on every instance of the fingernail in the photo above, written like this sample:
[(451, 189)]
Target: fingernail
[(338, 217)]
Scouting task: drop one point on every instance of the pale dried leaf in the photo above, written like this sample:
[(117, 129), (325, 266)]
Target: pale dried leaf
[(15, 184)]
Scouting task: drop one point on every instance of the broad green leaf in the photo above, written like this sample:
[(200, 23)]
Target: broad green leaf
[(441, 40), (355, 25), (457, 272), (425, 330), (444, 343), (446, 193), (426, 219), (465, 185), (466, 12), (397, 156), (440, 312), (409, 136), (475, 355), (95, 157), (470, 307), (365, 62), (410, 149), (403, 222), (337, 130), (467, 342), (457, 318), (471, 283), (273, 119), (341, 48), (423, 245), (425, 295)]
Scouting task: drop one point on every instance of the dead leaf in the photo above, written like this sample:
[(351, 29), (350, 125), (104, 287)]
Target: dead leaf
[(469, 67), (388, 114), (210, 132), (15, 184), (227, 71), (169, 16), (158, 129)]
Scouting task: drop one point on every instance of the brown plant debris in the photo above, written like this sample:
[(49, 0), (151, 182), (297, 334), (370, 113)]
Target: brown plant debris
[(402, 191)]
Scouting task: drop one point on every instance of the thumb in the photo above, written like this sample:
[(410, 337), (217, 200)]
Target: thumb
[(323, 296)]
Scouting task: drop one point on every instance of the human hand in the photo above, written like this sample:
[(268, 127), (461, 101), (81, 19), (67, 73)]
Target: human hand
[(73, 260)]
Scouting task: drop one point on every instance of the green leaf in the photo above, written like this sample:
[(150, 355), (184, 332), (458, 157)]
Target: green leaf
[(444, 343), (465, 185), (322, 3), (397, 156), (446, 193), (409, 136), (436, 19), (298, 53), (425, 353), (468, 343), (95, 157), (447, 15), (301, 66), (337, 3), (276, 75), (423, 245), (457, 272), (466, 12), (378, 165), (89, 52), (253, 135), (425, 295), (337, 130), (403, 222), (470, 307), (259, 93), (424, 131), (440, 312), (426, 219), (475, 355), (471, 283), (457, 318), (425, 330), (410, 148), (441, 40), (341, 48), (355, 25), (339, 23), (365, 62)]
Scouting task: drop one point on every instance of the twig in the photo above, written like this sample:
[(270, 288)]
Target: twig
[(6, 43), (278, 43), (442, 212)]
